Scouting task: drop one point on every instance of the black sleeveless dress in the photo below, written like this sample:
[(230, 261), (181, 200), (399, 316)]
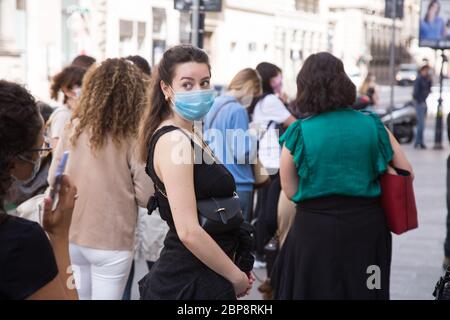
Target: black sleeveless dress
[(178, 274)]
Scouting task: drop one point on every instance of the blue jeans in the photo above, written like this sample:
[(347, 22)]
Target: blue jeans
[(421, 110), (246, 199)]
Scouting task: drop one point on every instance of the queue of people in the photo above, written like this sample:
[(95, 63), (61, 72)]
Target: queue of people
[(161, 140)]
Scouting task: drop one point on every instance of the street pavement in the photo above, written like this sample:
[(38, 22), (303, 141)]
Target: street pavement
[(417, 255)]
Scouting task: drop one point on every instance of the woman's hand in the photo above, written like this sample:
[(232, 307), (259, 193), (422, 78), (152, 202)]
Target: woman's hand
[(391, 170), (57, 223), (242, 285)]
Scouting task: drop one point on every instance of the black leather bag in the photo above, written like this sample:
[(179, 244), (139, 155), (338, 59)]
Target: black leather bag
[(220, 215), (215, 215)]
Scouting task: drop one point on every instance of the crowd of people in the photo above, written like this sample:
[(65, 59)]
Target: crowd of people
[(160, 141)]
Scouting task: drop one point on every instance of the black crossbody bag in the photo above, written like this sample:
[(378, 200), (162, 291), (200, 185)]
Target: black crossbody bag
[(215, 215)]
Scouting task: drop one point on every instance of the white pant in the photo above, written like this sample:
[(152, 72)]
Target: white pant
[(100, 274)]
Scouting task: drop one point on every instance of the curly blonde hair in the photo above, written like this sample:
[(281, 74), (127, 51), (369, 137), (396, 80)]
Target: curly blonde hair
[(112, 101)]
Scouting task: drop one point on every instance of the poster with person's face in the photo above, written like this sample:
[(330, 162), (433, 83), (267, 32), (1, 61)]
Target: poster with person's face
[(434, 30)]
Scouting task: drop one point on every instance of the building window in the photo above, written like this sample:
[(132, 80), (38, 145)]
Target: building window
[(158, 49), (252, 46), (159, 34), (307, 5), (126, 37), (21, 5), (159, 21), (185, 27), (141, 35)]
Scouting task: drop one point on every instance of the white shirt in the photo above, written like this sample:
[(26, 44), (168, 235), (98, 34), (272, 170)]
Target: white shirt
[(270, 109), (58, 120)]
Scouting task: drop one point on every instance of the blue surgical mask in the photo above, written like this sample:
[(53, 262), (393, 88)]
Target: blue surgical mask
[(194, 105)]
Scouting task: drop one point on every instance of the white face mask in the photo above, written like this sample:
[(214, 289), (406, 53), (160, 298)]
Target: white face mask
[(36, 167), (246, 101), (77, 92)]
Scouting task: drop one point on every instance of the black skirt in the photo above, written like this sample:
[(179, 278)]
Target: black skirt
[(338, 248)]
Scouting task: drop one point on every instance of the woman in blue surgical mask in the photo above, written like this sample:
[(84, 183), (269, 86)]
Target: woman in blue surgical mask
[(193, 264)]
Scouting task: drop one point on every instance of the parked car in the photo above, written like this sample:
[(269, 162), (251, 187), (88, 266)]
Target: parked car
[(406, 74)]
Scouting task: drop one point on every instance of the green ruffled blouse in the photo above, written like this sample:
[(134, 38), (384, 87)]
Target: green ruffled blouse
[(341, 152)]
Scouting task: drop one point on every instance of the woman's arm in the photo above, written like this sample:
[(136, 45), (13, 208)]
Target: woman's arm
[(288, 173), (399, 160), (289, 121), (178, 178), (142, 184), (57, 225)]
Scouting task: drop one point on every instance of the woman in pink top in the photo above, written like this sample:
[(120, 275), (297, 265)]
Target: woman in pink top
[(110, 179)]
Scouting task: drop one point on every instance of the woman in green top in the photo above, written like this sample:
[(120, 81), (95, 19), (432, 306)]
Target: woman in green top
[(339, 246)]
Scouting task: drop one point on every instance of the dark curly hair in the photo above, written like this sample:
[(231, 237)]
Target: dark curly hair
[(323, 85), (20, 124)]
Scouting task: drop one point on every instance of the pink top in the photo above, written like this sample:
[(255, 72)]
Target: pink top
[(111, 183)]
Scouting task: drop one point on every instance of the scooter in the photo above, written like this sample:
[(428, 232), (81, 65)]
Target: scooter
[(402, 118)]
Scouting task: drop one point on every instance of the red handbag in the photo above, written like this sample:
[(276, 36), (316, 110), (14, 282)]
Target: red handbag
[(398, 201)]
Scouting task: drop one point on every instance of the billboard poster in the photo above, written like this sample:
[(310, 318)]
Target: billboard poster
[(434, 26)]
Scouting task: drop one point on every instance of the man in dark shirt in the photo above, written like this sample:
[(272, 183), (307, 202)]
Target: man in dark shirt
[(422, 88)]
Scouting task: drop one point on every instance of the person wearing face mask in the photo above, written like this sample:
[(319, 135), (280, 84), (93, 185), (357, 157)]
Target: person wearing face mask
[(68, 82), (35, 187), (226, 129), (33, 265), (194, 264), (269, 116)]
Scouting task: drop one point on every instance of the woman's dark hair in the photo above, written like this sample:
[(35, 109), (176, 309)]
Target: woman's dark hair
[(267, 71), (20, 124), (68, 78), (141, 63), (83, 61), (159, 109), (432, 3), (45, 110), (323, 85)]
